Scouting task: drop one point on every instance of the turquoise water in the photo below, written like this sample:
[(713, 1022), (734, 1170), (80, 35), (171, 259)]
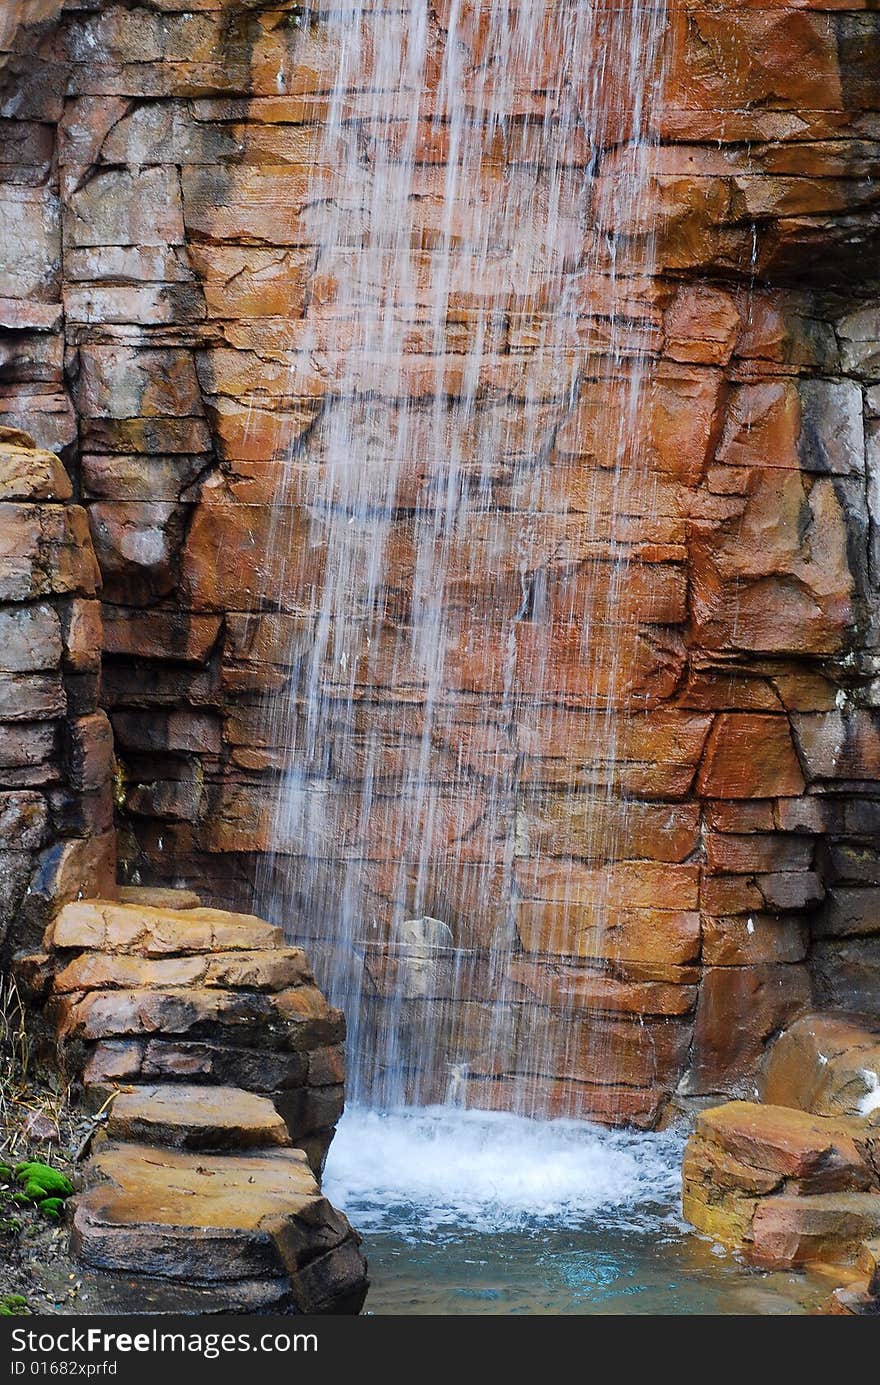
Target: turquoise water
[(475, 1213)]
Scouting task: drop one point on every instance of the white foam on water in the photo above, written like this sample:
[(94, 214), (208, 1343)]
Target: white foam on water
[(438, 1169), (870, 1102)]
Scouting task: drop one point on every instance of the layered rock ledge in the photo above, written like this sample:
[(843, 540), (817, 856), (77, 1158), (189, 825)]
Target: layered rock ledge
[(216, 1067), (796, 1181)]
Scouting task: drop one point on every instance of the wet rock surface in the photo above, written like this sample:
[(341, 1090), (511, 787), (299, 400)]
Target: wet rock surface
[(189, 1117), (826, 1063), (163, 283), (799, 1182)]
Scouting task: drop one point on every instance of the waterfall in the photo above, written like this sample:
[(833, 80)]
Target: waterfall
[(464, 527)]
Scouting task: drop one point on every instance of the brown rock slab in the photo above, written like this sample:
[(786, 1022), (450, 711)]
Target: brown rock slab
[(828, 1227), (750, 756), (759, 586), (706, 1161), (701, 325), (720, 1193), (211, 1219), (298, 1019), (177, 1059), (32, 474), (576, 929), (92, 971), (269, 970), (613, 1052), (178, 635), (820, 1154), (256, 1069), (189, 1215), (115, 1060), (559, 1098), (738, 1010), (183, 1116), (110, 927), (746, 939), (828, 1064), (111, 1292), (559, 985)]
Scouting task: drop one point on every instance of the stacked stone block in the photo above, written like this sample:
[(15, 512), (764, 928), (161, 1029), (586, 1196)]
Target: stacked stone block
[(216, 1068), (135, 994), (796, 1180)]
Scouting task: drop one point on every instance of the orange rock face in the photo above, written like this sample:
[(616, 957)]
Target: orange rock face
[(666, 560), (781, 1186), (750, 756), (798, 1179)]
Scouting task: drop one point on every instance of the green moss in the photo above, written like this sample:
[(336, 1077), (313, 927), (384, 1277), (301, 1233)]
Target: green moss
[(13, 1306), (41, 1181)]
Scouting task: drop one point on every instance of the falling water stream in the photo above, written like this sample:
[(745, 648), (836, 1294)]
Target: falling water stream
[(469, 589), (473, 604)]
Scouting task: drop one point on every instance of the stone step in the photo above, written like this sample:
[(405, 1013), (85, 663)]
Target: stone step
[(184, 1116), (196, 1217), (31, 473), (307, 1088), (298, 1018), (828, 1064), (105, 926), (219, 1220), (159, 897), (814, 1153), (273, 969)]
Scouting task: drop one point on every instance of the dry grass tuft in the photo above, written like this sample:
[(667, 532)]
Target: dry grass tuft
[(38, 1121)]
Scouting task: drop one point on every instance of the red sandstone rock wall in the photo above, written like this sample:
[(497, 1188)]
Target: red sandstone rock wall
[(56, 746), (157, 170)]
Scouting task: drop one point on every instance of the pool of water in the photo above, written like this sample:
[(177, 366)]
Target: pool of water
[(470, 1212)]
